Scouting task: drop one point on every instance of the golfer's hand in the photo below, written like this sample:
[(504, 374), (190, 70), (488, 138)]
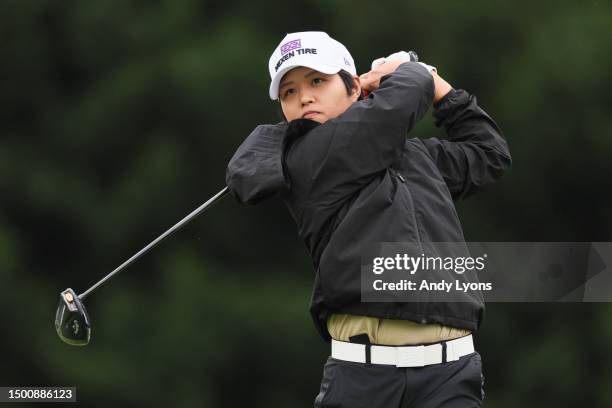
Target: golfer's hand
[(383, 66), (370, 81)]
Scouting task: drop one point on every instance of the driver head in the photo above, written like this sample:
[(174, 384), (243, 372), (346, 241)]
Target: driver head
[(71, 319)]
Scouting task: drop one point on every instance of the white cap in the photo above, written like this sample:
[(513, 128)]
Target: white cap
[(311, 49)]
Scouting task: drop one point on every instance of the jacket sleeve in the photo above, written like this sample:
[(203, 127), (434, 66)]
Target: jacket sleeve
[(476, 153), (255, 172), (337, 158)]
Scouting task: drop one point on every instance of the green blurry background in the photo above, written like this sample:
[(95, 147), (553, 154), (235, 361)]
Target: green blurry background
[(117, 118)]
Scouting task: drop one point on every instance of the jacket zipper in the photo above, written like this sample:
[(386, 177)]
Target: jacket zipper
[(397, 174), (416, 226), (401, 178)]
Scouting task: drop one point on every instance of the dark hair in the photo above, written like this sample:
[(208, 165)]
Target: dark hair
[(348, 80), (349, 83)]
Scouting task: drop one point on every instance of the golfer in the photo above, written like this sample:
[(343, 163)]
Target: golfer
[(350, 176)]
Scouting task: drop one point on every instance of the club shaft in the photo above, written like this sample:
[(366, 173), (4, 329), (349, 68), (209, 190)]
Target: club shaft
[(159, 239)]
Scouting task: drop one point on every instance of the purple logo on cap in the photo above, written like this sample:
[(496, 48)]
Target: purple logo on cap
[(291, 45)]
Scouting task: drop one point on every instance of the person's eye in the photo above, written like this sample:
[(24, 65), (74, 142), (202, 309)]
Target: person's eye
[(317, 81), (288, 92)]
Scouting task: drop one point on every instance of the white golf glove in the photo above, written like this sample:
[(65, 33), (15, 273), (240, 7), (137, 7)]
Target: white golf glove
[(402, 56)]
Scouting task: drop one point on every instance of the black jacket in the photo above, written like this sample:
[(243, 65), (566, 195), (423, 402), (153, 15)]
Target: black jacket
[(357, 180)]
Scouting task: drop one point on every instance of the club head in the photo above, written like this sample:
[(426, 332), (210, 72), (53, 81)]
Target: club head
[(71, 319)]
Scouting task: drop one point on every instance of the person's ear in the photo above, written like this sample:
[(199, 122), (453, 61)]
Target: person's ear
[(356, 91)]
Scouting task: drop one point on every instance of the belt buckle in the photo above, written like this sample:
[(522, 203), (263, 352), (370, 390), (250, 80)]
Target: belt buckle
[(451, 351), (413, 356)]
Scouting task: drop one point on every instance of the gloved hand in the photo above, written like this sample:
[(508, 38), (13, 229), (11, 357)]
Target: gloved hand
[(385, 65), (441, 86), (402, 56)]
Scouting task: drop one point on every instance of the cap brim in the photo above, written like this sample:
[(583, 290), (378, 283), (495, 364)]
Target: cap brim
[(326, 69)]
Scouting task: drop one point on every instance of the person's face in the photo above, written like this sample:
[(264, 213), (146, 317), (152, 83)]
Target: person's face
[(306, 93)]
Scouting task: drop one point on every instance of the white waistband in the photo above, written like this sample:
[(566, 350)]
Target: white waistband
[(404, 356)]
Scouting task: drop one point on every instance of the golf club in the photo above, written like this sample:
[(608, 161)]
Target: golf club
[(71, 319)]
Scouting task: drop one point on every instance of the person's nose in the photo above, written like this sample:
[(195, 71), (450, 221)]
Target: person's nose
[(306, 97)]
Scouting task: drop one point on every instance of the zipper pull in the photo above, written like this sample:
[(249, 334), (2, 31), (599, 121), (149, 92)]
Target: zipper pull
[(397, 173)]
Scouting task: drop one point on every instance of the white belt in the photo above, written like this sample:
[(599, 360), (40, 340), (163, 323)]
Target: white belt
[(403, 356)]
